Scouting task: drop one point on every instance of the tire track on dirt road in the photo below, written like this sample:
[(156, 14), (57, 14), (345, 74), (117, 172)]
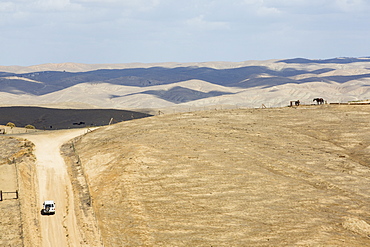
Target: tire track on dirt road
[(54, 183)]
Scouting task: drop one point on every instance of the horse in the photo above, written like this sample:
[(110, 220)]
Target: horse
[(319, 100)]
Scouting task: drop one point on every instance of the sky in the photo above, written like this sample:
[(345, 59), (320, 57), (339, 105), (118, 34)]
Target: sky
[(152, 31)]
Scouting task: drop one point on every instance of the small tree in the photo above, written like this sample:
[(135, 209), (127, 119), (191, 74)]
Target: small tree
[(29, 126), (11, 125)]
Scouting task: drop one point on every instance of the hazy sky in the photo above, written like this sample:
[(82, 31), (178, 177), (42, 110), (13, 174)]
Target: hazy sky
[(123, 31)]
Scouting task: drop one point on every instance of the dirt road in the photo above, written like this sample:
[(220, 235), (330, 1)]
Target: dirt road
[(54, 184)]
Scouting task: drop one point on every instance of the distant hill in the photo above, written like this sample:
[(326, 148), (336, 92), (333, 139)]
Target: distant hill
[(342, 60), (246, 84)]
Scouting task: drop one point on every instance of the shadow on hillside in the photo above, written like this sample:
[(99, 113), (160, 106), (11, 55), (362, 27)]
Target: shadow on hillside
[(179, 95)]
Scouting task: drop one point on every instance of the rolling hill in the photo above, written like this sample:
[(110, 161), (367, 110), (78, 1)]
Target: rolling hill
[(160, 86), (241, 177)]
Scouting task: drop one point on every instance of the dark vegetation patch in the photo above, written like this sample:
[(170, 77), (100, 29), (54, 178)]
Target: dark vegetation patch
[(49, 118)]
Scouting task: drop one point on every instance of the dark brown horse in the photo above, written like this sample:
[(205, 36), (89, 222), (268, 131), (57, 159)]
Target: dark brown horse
[(319, 100)]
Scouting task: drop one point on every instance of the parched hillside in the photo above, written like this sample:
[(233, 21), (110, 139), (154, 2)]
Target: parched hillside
[(18, 224), (247, 177)]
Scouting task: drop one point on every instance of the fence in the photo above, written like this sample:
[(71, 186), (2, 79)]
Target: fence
[(2, 192)]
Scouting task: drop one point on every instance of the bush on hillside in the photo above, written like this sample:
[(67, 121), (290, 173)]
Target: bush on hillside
[(10, 124), (29, 126)]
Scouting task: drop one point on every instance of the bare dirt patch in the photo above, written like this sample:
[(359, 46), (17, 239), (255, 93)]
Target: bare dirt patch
[(247, 177)]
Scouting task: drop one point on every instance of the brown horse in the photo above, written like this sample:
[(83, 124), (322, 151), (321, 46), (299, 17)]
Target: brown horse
[(319, 100)]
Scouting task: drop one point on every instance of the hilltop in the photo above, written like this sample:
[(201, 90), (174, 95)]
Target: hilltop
[(247, 177)]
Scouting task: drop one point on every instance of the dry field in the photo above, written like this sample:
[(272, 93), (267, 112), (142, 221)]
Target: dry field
[(18, 224), (244, 177), (247, 177)]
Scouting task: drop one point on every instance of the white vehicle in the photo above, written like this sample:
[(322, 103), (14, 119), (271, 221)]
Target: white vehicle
[(48, 207)]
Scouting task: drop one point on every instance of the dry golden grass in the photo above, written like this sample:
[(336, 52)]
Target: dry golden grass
[(18, 224), (247, 177)]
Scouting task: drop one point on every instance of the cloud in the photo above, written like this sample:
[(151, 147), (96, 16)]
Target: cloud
[(131, 5), (262, 8), (172, 30), (36, 6), (311, 7), (51, 5), (6, 6), (352, 5), (268, 11), (199, 22)]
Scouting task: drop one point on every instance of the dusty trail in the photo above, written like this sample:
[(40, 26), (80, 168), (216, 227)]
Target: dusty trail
[(54, 184)]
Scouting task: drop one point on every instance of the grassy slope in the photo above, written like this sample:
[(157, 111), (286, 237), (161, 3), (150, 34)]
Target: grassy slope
[(258, 177)]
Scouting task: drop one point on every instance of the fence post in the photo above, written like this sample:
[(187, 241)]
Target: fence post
[(1, 195), (16, 194)]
